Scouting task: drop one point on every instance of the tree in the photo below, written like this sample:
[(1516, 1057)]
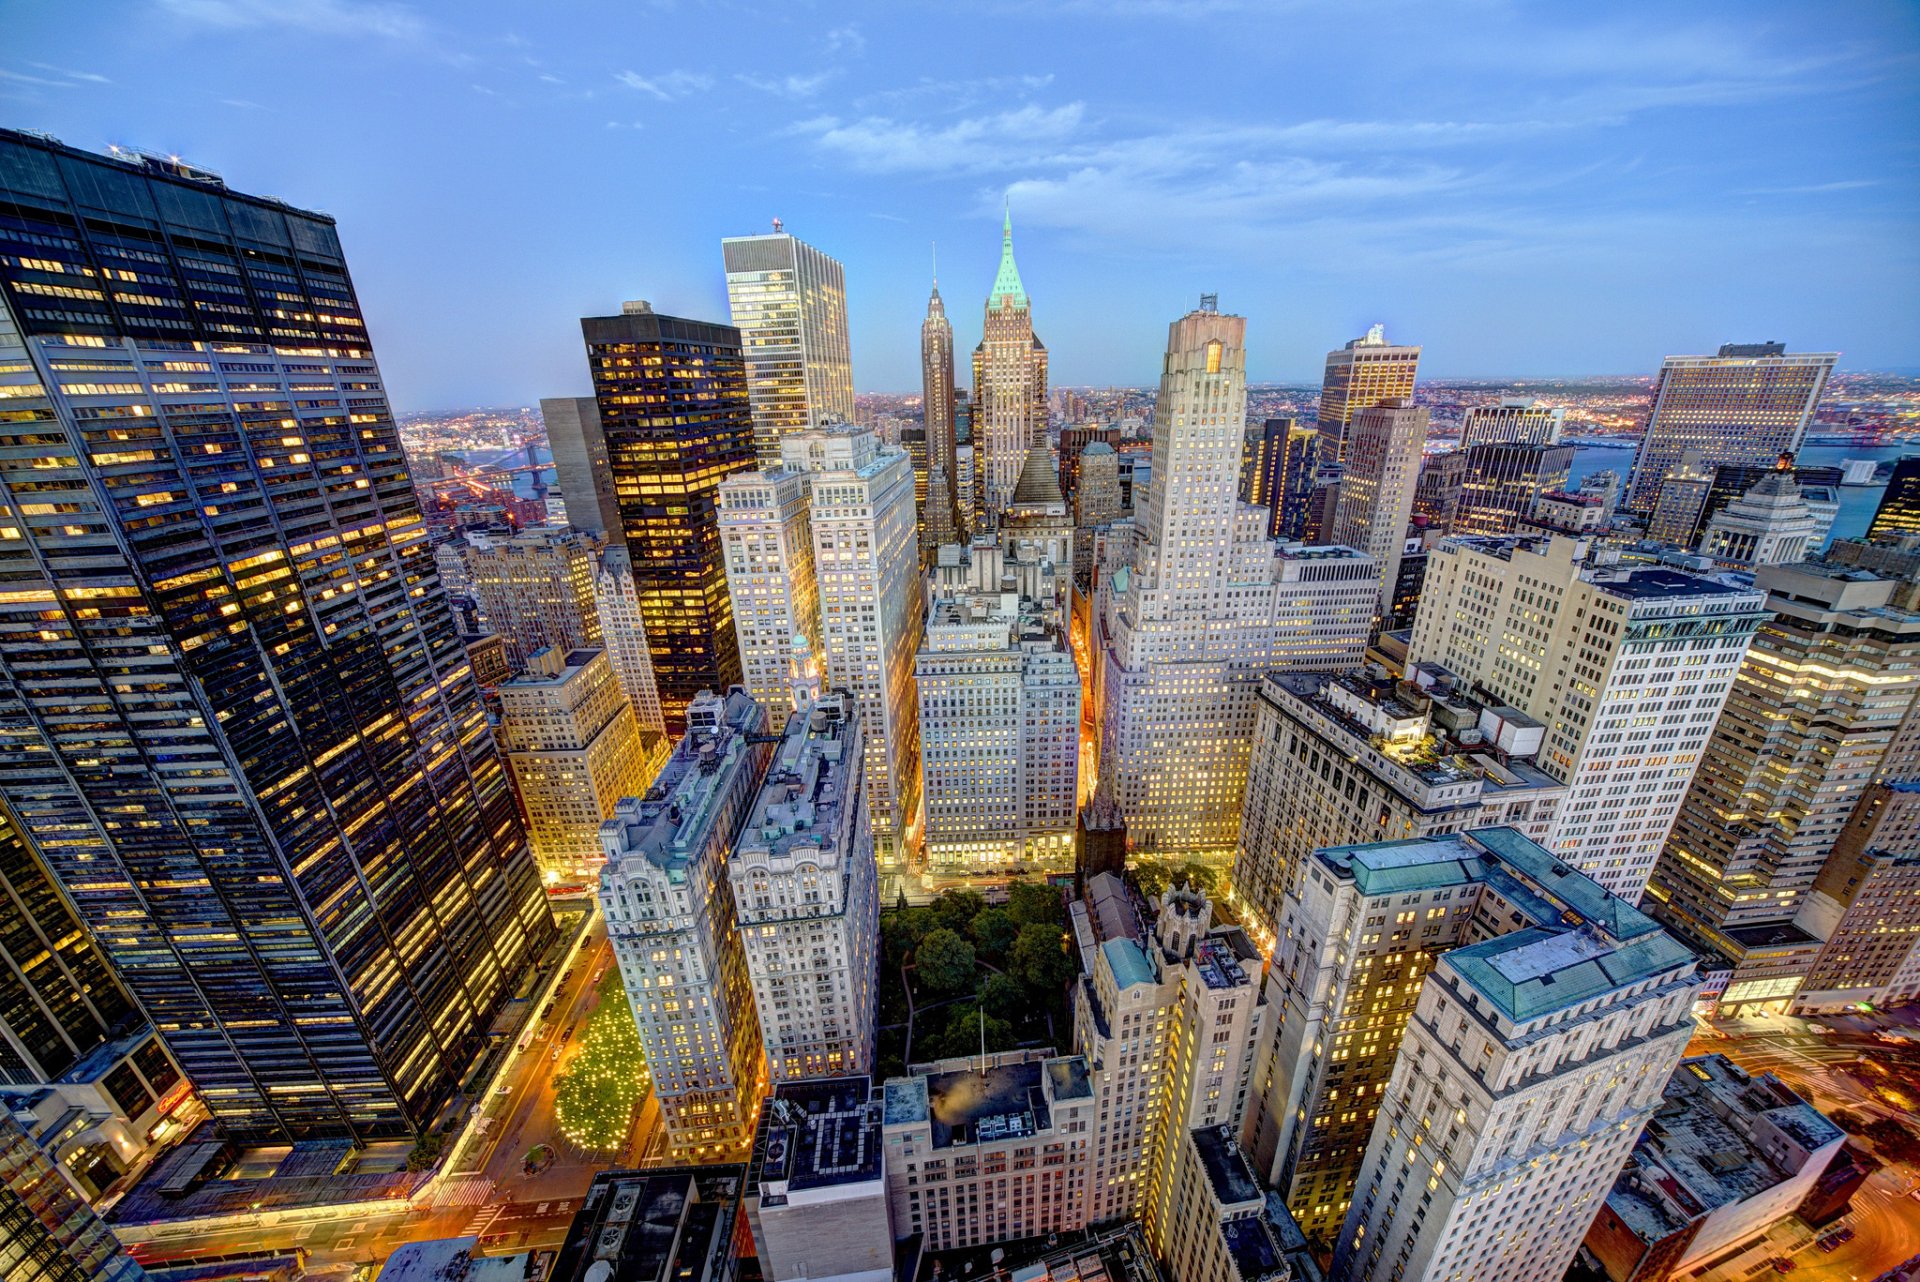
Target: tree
[(956, 908), (944, 961), (903, 930), (993, 931), (1039, 959), (962, 1033), (1148, 878), (1003, 996), (1201, 878), (1029, 904), (1894, 1141)]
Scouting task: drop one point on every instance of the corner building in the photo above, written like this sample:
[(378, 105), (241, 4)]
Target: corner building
[(237, 720)]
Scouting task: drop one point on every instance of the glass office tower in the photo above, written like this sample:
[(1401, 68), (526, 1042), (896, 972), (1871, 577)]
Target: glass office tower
[(235, 717), (674, 411)]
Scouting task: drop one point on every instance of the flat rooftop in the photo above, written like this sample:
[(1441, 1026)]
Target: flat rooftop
[(804, 796), (1226, 1165), (652, 1225), (821, 1133), (669, 825), (1006, 1102)]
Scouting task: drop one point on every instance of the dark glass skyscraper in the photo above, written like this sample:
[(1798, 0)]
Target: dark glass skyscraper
[(47, 1234), (1899, 510), (675, 414), (235, 717)]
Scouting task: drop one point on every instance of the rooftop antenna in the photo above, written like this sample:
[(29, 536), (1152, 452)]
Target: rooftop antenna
[(936, 262), (1209, 302)]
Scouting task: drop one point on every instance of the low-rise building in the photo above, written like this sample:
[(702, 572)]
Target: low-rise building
[(1724, 1156), (662, 1224)]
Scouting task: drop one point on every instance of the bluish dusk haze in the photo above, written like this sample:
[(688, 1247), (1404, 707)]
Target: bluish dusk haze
[(1526, 190)]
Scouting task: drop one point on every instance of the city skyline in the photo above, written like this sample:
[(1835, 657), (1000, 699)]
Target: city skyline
[(1510, 222)]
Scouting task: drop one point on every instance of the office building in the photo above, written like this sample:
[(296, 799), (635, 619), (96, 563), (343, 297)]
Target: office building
[(582, 494), (1009, 412), (1509, 1023), (1819, 489), (58, 997), (789, 302), (652, 1225), (1899, 510), (1167, 1014), (816, 1196), (225, 631), (856, 591), (47, 1233), (999, 705), (1560, 512), (1347, 758), (807, 897), (1682, 498), (1277, 474), (1368, 371), (1096, 495), (913, 439), (1224, 1227), (673, 923), (1204, 606), (1503, 483), (1770, 524), (941, 522), (121, 1103), (674, 411), (1382, 463), (623, 634), (534, 588), (1626, 665), (767, 538), (1436, 494), (1604, 486), (574, 748), (1727, 1155), (1745, 405), (1073, 442), (1036, 527), (989, 1148), (1516, 420), (1815, 707)]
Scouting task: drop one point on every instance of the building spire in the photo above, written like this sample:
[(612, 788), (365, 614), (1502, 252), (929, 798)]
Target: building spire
[(1006, 284)]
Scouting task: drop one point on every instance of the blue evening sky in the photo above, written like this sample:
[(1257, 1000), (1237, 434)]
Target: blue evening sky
[(1524, 189)]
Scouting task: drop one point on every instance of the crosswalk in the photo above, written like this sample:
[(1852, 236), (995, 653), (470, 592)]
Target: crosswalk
[(465, 1191), (482, 1221)]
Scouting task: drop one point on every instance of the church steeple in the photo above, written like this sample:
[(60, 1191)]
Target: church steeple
[(1007, 283)]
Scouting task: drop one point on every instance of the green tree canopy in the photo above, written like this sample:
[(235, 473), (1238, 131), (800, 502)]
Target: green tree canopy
[(1039, 959), (1003, 996), (944, 961), (961, 1036), (1030, 902), (993, 931), (956, 908)]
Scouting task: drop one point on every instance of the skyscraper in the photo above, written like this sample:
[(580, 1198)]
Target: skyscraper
[(1206, 606), (1367, 371), (937, 406), (1768, 525), (623, 633), (242, 730), (1626, 666), (1515, 420), (58, 999), (1009, 385), (47, 1233), (1280, 475), (674, 411), (807, 895), (1899, 510), (674, 927), (789, 302), (1503, 480), (1383, 449), (1745, 405), (534, 588), (768, 541), (1816, 704), (582, 494), (1533, 1052)]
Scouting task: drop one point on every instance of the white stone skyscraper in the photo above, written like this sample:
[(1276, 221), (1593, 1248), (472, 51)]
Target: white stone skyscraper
[(789, 302), (807, 896), (767, 541), (1185, 632), (623, 632), (1514, 420), (1009, 384), (1626, 665), (854, 594)]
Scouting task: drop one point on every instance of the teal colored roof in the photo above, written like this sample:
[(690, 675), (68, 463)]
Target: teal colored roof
[(1006, 284), (1130, 965), (1535, 972)]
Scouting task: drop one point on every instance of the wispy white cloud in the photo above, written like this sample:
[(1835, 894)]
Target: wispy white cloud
[(321, 17), (791, 86), (1813, 189), (846, 40), (1009, 138), (668, 85), (87, 77)]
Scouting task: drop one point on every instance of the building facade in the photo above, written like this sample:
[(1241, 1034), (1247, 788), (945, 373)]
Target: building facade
[(1367, 371), (789, 302), (623, 634), (768, 541), (582, 493), (534, 588), (1768, 525), (1627, 666), (937, 404), (1746, 404), (1545, 1018), (47, 1233), (1515, 420), (677, 421), (673, 923), (1382, 465), (1009, 387), (574, 748), (816, 1196), (225, 631), (807, 894), (1504, 482)]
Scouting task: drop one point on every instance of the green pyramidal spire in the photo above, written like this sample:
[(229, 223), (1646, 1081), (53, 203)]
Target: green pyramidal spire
[(1007, 283)]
